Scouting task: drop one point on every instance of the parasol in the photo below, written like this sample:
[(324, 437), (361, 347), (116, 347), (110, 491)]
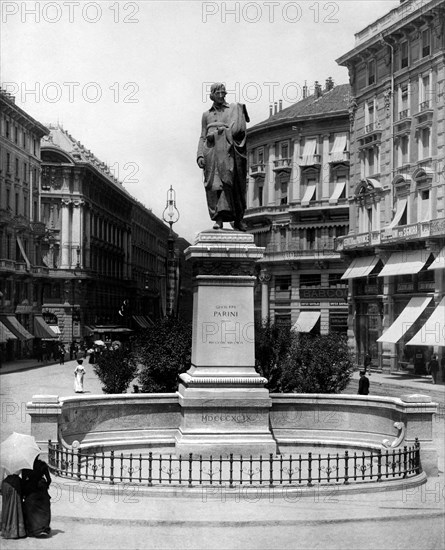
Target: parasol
[(99, 342), (18, 451)]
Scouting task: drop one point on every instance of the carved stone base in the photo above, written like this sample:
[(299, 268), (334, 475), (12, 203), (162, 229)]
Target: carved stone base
[(224, 405)]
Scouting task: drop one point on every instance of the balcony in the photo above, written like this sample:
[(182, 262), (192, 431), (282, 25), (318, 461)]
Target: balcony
[(38, 228), (282, 165), (404, 114), (293, 252), (263, 210), (257, 170), (310, 160), (339, 157), (7, 265), (5, 216)]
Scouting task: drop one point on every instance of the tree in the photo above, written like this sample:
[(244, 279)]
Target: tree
[(317, 364), (163, 352), (115, 368), (272, 343)]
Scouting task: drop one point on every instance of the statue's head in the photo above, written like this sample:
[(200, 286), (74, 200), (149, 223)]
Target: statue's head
[(217, 87)]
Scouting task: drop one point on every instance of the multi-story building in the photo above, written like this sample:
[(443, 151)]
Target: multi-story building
[(297, 205), (395, 246), (106, 252), (22, 271)]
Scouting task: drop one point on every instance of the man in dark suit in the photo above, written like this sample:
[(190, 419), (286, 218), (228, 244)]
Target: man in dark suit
[(363, 385)]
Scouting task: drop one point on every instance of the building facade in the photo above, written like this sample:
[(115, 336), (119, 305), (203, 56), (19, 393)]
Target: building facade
[(297, 205), (22, 270), (395, 245), (106, 252)]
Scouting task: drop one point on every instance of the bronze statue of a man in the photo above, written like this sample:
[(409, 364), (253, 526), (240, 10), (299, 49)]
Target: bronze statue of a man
[(222, 156)]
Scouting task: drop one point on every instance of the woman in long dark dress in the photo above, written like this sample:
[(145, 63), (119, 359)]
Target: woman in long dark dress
[(36, 504), (13, 524)]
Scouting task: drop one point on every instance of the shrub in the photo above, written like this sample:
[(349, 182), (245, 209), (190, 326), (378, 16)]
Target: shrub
[(115, 368)]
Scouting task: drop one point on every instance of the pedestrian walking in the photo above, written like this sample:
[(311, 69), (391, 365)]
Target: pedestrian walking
[(62, 355), (13, 523), (433, 368), (36, 501), (79, 373), (363, 384)]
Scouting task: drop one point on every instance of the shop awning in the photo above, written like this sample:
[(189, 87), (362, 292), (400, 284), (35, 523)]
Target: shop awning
[(142, 321), (42, 329), (338, 190), (339, 147), (360, 267), (10, 321), (22, 250), (309, 193), (405, 320), (306, 321), (405, 263), (6, 334), (433, 331), (401, 207), (55, 329), (439, 262)]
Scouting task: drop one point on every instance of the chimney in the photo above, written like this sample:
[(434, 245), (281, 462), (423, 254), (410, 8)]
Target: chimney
[(329, 84), (280, 104), (305, 90), (270, 110), (275, 108), (317, 89)]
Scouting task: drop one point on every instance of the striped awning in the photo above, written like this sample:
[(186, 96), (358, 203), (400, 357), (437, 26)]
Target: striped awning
[(360, 267), (433, 331), (439, 261), (11, 322), (42, 329), (405, 262), (6, 334), (405, 320)]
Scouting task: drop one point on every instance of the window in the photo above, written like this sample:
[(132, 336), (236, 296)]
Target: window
[(426, 42), (16, 134), (403, 101), (260, 155), (371, 72), (284, 187), (310, 238), (403, 150), (424, 92), (8, 163), (25, 205), (283, 287), (17, 175), (7, 129), (16, 204), (425, 143), (309, 156), (370, 113), (34, 146), (8, 198), (25, 171), (284, 150), (404, 55), (310, 281), (260, 195), (24, 140), (423, 205)]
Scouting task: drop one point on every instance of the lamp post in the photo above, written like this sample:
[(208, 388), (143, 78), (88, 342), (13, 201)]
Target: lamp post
[(171, 216)]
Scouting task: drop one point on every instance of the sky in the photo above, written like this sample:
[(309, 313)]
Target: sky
[(130, 80)]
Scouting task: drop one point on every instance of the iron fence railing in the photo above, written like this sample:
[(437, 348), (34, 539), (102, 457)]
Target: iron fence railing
[(231, 470)]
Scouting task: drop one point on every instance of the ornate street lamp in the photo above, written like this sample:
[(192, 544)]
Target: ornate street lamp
[(171, 216)]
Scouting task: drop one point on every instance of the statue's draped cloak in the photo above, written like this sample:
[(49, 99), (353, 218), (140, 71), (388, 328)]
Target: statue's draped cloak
[(222, 144)]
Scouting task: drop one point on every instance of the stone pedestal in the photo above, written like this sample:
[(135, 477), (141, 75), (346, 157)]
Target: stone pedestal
[(224, 404)]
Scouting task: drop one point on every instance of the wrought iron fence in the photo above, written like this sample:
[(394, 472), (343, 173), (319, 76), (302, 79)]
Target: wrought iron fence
[(272, 470)]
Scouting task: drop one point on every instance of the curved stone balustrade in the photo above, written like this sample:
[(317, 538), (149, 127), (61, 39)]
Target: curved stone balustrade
[(297, 421)]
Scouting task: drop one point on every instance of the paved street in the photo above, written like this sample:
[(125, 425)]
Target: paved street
[(99, 516)]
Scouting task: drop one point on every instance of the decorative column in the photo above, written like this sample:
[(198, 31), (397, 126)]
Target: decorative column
[(325, 168), (271, 176), (65, 243), (224, 404), (264, 278)]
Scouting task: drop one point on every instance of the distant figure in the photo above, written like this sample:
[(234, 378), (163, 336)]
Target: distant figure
[(62, 355), (367, 362), (222, 156), (36, 503), (13, 522), (79, 373), (442, 366), (363, 385), (433, 368)]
